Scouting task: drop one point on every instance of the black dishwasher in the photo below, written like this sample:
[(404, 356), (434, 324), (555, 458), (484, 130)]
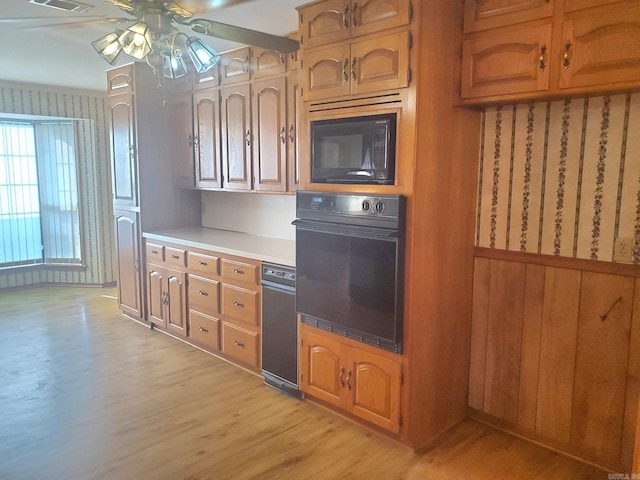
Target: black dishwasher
[(279, 328)]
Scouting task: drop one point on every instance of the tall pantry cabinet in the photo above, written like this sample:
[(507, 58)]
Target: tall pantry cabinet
[(146, 193)]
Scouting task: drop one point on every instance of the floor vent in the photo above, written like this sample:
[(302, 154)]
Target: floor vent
[(66, 5)]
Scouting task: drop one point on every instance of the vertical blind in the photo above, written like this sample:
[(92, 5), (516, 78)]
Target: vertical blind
[(38, 193)]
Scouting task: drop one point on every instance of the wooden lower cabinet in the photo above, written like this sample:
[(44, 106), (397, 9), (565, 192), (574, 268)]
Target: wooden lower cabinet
[(127, 238), (167, 299), (355, 379), (555, 355)]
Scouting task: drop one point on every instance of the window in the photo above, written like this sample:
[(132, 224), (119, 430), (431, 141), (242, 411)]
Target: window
[(39, 218)]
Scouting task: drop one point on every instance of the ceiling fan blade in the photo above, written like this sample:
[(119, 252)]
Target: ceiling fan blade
[(48, 19), (77, 23), (242, 35), (177, 9), (123, 4)]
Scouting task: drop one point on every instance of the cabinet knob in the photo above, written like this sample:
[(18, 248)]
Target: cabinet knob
[(204, 294), (204, 264), (238, 344), (204, 330), (175, 257), (239, 272), (238, 304)]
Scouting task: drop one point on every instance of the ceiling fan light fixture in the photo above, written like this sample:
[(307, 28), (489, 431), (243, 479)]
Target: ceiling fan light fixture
[(108, 46), (174, 67), (136, 40), (204, 57)]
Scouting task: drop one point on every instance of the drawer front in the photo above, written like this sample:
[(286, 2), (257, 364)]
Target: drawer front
[(206, 265), (204, 295), (155, 252), (241, 304), (240, 344), (175, 256), (204, 330), (240, 272)]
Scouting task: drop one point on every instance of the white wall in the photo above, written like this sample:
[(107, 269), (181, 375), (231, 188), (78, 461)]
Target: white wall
[(259, 214)]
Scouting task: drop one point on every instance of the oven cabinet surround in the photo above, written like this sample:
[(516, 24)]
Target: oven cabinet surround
[(537, 49), (144, 191), (436, 169), (363, 381), (555, 352), (239, 132)]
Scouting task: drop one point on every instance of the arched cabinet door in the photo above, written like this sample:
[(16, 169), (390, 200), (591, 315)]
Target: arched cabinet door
[(236, 137), (127, 238), (123, 150)]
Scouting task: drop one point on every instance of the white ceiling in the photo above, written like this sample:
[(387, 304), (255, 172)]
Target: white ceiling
[(63, 56)]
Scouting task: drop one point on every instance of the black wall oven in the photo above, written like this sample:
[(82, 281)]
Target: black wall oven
[(350, 265)]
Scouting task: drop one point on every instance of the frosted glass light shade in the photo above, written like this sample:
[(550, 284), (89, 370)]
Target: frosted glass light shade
[(204, 57), (136, 40), (108, 46), (174, 67)]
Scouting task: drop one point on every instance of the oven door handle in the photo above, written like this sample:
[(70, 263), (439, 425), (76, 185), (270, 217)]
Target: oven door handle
[(348, 230)]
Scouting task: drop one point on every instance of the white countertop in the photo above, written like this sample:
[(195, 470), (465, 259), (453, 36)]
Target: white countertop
[(269, 249)]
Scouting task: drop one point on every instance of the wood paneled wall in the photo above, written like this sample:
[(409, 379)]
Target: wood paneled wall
[(95, 181), (555, 352)]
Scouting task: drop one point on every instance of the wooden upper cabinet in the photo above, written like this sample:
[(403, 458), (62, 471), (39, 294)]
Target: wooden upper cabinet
[(294, 105), (181, 124), (120, 80), (235, 66), (601, 47), (270, 134), (265, 62), (123, 150), (236, 137), (206, 138), (366, 66), (485, 14), (506, 62), (335, 20), (574, 5)]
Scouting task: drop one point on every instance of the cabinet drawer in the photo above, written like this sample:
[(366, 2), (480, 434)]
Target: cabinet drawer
[(240, 344), (204, 295), (204, 330), (240, 272), (240, 304), (175, 256), (203, 264), (155, 252)]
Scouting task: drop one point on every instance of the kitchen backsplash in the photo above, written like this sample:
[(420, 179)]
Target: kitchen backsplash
[(561, 178), (259, 214)]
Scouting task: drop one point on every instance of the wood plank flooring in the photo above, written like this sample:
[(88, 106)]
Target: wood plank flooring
[(88, 394)]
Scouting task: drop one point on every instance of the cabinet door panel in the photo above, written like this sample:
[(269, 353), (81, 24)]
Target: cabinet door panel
[(557, 353), (320, 367), (241, 304), (484, 14), (124, 167), (380, 64), (601, 364), (602, 48), (574, 5), (127, 238), (181, 123), (235, 66), (266, 62), (506, 63), (371, 16), (270, 135), (324, 22), (326, 72), (373, 388), (177, 306), (293, 121), (155, 295), (207, 139), (236, 137)]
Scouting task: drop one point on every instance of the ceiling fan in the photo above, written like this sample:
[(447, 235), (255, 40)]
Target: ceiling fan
[(154, 34)]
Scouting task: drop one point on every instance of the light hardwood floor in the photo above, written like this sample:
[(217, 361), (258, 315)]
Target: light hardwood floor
[(88, 394)]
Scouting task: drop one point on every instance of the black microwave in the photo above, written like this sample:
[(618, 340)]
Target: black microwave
[(354, 150)]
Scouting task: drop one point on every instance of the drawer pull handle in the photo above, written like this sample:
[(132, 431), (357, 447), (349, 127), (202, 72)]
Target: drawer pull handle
[(349, 380), (204, 294), (155, 252), (238, 344), (239, 272), (204, 264), (177, 257), (566, 62), (204, 330), (238, 304)]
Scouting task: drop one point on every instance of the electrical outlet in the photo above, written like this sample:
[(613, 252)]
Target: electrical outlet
[(623, 250)]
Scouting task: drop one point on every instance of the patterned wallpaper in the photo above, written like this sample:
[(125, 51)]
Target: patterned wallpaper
[(561, 178), (95, 180)]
